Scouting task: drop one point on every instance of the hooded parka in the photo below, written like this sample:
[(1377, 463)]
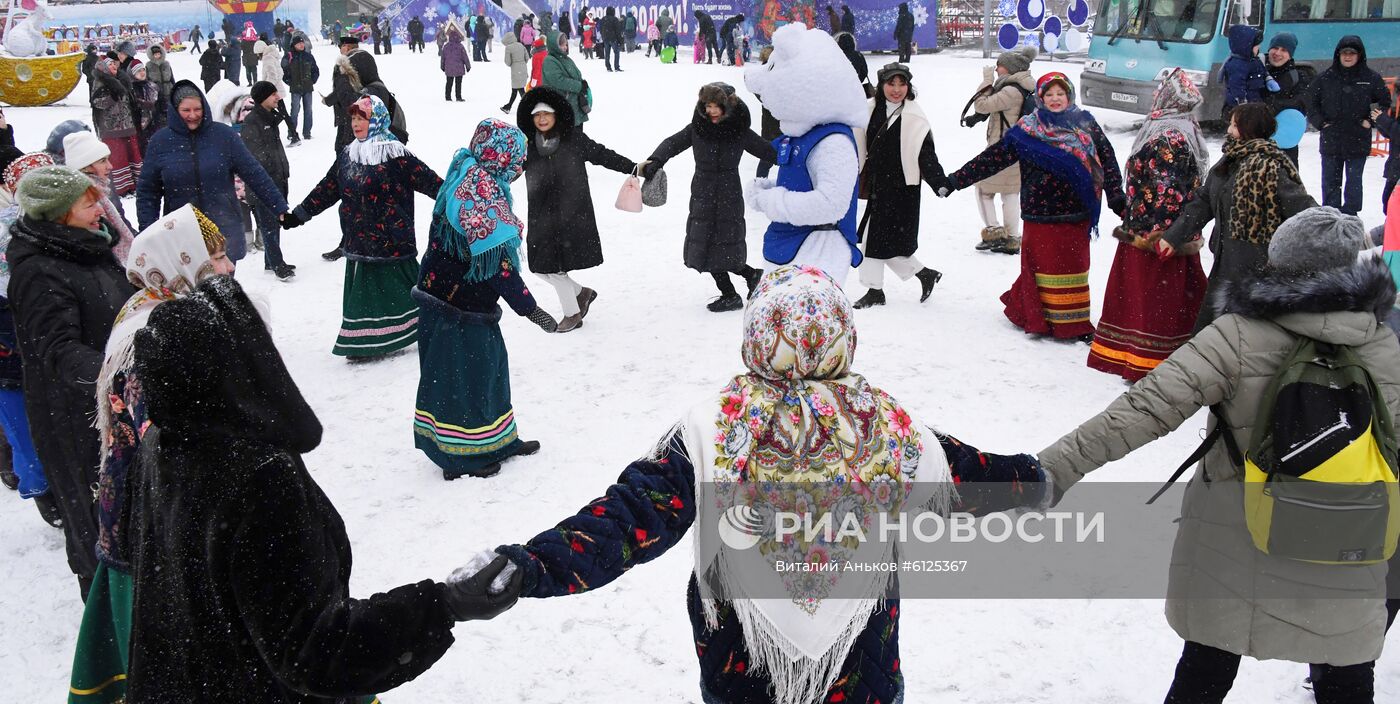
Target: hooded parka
[(1231, 363), (1340, 100), (714, 230), (562, 231)]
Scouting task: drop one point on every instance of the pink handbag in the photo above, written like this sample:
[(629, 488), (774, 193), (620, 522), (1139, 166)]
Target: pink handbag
[(630, 197)]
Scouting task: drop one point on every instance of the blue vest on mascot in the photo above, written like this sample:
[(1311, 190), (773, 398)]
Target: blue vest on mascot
[(782, 240)]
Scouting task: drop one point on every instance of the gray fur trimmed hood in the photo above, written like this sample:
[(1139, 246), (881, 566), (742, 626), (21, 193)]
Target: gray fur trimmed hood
[(1366, 287)]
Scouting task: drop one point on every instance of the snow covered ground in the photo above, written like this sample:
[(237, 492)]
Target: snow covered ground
[(602, 395)]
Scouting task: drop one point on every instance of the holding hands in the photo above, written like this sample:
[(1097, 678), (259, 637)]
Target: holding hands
[(484, 588)]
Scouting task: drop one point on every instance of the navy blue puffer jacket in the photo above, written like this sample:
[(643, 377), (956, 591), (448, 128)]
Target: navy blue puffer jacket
[(184, 166)]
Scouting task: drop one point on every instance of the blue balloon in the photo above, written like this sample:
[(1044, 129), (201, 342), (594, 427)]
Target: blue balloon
[(1078, 12), (1008, 36), (1028, 19), (1053, 26), (1291, 126)]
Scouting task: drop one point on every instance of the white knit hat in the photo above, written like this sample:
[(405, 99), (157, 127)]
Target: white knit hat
[(83, 149)]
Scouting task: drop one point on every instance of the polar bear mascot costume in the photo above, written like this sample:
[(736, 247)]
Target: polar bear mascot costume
[(810, 87)]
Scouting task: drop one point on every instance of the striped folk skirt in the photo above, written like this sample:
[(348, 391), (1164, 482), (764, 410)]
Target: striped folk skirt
[(1051, 296), (378, 314), (1149, 310), (463, 420)]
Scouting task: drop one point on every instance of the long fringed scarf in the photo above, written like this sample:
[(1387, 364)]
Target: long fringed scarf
[(472, 216), (114, 220), (1260, 164), (797, 429), (380, 145), (169, 259), (1061, 144)]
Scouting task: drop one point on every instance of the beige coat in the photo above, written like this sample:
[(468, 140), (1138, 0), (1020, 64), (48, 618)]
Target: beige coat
[(1003, 102), (1230, 363)]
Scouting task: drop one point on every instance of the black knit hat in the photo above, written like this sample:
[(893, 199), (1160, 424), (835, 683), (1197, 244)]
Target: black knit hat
[(261, 91)]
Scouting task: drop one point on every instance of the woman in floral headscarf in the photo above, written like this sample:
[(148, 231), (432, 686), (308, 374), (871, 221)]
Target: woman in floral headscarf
[(463, 419), (800, 420), (374, 180), (1151, 303), (1067, 169), (167, 260)]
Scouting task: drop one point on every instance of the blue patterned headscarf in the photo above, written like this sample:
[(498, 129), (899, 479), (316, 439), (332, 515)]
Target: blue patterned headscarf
[(379, 145), (472, 215)]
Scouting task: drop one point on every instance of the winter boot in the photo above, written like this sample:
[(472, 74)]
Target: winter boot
[(334, 255), (489, 470), (284, 272), (7, 466), (726, 303), (570, 322), (1010, 245), (527, 448), (751, 279), (928, 278), (991, 237), (585, 299), (48, 509), (876, 297)]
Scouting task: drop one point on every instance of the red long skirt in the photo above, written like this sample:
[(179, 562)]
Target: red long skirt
[(1051, 296), (1149, 310), (126, 163)]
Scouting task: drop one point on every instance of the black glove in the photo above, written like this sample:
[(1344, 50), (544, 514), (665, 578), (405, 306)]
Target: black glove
[(649, 169), (290, 219), (472, 600), (1118, 205), (542, 318)]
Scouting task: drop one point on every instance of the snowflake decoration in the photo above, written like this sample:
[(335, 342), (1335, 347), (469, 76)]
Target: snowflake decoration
[(920, 14), (430, 13), (1007, 8)]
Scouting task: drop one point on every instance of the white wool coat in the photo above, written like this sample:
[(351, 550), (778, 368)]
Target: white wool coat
[(271, 69)]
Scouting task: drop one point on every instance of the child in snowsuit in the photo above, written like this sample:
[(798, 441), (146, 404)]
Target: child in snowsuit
[(472, 260), (563, 231), (719, 134), (1244, 74)]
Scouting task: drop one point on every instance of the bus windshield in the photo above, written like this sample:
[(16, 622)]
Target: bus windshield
[(1192, 21)]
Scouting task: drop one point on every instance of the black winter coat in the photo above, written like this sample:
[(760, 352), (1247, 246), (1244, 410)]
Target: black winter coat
[(250, 58), (892, 211), (260, 134), (848, 21), (904, 25), (610, 28), (715, 230), (1293, 82), (299, 70), (211, 67), (1390, 127), (65, 291), (704, 24), (1341, 100), (241, 564), (562, 233)]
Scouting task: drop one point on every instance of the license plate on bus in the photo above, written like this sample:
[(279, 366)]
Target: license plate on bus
[(1124, 98)]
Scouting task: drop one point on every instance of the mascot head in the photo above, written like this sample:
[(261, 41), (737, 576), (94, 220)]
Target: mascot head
[(808, 82)]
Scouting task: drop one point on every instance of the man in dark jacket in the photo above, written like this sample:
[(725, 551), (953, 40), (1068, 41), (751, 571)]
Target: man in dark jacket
[(904, 32), (259, 133), (415, 34), (565, 27), (250, 60), (1292, 79), (387, 32), (374, 32), (65, 290), (1340, 107), (705, 25), (170, 178), (610, 29), (233, 58), (726, 37), (211, 65), (848, 20), (300, 73), (241, 564), (346, 86), (196, 36), (629, 31), (89, 60)]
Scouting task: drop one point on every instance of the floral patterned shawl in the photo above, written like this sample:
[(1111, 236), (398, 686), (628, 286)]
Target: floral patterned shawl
[(1172, 104), (801, 432), (472, 215)]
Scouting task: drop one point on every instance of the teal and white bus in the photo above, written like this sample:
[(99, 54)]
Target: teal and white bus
[(1136, 42)]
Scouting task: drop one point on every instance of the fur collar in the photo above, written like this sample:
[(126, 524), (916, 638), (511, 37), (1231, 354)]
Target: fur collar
[(351, 74), (1366, 286)]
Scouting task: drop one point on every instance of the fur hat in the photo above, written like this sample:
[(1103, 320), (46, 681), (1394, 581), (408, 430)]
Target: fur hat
[(125, 47), (719, 93), (1017, 60), (46, 193), (262, 90), (83, 149), (349, 40), (1317, 239)]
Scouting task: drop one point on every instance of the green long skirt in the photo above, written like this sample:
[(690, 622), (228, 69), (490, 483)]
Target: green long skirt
[(99, 663), (463, 420), (378, 315)]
